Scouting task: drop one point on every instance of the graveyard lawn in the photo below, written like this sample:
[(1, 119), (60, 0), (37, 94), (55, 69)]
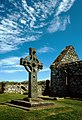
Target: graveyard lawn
[(64, 109)]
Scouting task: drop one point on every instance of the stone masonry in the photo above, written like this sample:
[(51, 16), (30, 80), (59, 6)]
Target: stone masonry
[(66, 74)]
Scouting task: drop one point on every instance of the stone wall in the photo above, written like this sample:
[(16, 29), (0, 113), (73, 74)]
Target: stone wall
[(15, 88), (21, 88), (70, 56), (58, 87), (74, 75), (66, 80), (44, 88)]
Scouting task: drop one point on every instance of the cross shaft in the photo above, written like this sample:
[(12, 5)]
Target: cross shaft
[(32, 65)]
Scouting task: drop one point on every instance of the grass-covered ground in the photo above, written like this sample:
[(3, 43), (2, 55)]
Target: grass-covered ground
[(65, 109)]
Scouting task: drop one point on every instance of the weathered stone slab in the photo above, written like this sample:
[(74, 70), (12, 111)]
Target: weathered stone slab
[(30, 105)]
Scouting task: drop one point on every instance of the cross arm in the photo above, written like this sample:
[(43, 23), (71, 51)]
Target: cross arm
[(25, 63), (40, 66)]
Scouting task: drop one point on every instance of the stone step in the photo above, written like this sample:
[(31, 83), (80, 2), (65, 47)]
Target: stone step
[(17, 106), (44, 106), (48, 98), (31, 104), (21, 103)]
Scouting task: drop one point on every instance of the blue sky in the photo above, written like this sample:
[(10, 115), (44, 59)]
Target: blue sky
[(47, 25)]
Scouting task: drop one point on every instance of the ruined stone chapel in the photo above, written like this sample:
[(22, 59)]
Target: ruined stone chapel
[(66, 74)]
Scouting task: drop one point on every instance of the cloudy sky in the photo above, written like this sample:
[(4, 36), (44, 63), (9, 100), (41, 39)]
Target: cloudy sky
[(47, 25)]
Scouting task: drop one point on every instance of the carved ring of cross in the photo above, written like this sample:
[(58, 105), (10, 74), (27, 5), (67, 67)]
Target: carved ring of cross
[(32, 63)]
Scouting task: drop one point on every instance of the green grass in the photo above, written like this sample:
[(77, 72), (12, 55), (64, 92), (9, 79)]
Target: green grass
[(65, 109), (9, 97)]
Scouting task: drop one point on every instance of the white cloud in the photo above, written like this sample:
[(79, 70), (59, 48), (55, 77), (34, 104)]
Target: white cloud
[(64, 6), (58, 24), (10, 61), (45, 49), (27, 23), (11, 71), (5, 47), (11, 65), (23, 21), (31, 9), (21, 70)]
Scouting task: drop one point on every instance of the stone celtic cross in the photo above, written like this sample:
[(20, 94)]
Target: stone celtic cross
[(32, 65)]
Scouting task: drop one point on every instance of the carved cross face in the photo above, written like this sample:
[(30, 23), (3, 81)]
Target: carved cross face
[(31, 63)]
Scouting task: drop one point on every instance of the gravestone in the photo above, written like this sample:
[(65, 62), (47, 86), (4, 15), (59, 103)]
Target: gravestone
[(32, 65)]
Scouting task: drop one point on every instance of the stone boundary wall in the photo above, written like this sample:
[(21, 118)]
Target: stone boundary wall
[(15, 88), (21, 88)]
